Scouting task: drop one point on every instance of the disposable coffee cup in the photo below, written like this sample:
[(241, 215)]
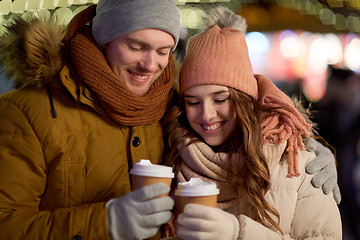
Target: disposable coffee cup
[(145, 173), (196, 191)]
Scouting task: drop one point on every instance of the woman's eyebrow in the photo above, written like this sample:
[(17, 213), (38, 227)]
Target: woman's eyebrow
[(213, 93), (220, 92)]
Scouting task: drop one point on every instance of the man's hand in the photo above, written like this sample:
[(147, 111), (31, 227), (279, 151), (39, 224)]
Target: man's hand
[(324, 167), (140, 213)]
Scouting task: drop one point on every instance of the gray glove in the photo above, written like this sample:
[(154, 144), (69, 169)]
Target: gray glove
[(324, 165), (139, 214)]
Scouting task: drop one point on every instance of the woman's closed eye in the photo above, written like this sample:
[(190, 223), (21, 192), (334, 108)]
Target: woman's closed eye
[(192, 103), (222, 100)]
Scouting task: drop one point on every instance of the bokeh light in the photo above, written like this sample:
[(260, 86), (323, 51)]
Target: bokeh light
[(352, 53)]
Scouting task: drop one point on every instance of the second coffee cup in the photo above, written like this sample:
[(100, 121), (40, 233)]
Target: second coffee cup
[(196, 191), (145, 173)]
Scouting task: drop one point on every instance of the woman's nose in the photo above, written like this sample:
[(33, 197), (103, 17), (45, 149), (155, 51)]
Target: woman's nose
[(208, 112)]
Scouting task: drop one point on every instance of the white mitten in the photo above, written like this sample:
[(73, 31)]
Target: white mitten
[(202, 222), (139, 214)]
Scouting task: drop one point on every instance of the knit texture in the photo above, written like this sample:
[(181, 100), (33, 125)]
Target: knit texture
[(218, 56), (121, 105), (116, 18), (200, 161), (284, 124)]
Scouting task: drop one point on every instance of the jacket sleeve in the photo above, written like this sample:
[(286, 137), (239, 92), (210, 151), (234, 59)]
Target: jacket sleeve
[(313, 215), (316, 215), (23, 182)]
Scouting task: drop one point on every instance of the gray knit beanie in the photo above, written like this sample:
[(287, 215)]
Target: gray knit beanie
[(116, 18)]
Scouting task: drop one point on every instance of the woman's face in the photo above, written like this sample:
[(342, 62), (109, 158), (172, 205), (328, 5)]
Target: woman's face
[(210, 113)]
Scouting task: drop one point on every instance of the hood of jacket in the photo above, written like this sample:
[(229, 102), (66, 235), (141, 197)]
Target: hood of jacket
[(31, 51)]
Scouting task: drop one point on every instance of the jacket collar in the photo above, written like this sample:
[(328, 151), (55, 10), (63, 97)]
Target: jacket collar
[(79, 92), (273, 154)]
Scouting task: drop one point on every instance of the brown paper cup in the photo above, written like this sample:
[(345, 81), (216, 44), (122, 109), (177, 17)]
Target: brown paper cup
[(140, 181), (196, 191), (145, 173), (210, 201)]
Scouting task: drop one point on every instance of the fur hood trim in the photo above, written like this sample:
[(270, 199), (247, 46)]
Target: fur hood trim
[(31, 51)]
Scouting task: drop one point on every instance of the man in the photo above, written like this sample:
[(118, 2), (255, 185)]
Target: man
[(107, 88), (86, 107)]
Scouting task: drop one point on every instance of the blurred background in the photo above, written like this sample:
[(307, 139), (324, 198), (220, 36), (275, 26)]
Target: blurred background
[(309, 48)]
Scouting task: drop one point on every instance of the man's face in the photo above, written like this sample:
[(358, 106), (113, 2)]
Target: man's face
[(139, 58)]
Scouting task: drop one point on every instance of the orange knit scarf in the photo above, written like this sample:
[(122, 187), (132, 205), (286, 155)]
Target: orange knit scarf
[(92, 68)]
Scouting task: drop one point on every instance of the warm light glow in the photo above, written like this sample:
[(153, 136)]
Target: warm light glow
[(192, 17), (18, 6), (258, 46), (336, 3), (43, 14), (63, 15), (341, 22), (50, 4), (327, 16), (289, 45), (180, 2), (314, 86), (335, 54), (355, 4), (257, 42), (65, 3), (79, 9), (5, 6), (352, 53), (354, 23), (318, 54), (300, 63), (79, 2), (34, 5)]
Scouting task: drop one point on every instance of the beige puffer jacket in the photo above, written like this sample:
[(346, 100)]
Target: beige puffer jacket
[(305, 212)]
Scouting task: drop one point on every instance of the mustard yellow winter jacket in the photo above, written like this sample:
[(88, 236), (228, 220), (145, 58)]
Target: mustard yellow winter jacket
[(57, 172)]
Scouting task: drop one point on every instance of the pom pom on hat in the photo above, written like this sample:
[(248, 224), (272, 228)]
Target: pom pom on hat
[(225, 18), (219, 55)]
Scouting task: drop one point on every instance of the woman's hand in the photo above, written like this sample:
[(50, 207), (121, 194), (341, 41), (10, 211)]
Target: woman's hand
[(202, 222)]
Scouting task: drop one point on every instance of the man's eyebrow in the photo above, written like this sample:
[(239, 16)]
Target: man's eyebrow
[(139, 41)]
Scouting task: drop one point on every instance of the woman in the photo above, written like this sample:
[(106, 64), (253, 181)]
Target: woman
[(240, 131)]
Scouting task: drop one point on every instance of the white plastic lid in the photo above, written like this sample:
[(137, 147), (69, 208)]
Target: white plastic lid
[(146, 168), (196, 187)]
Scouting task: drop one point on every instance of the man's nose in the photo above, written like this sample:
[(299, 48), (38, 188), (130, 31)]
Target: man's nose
[(148, 62)]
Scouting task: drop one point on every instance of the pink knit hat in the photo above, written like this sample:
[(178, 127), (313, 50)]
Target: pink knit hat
[(218, 56)]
